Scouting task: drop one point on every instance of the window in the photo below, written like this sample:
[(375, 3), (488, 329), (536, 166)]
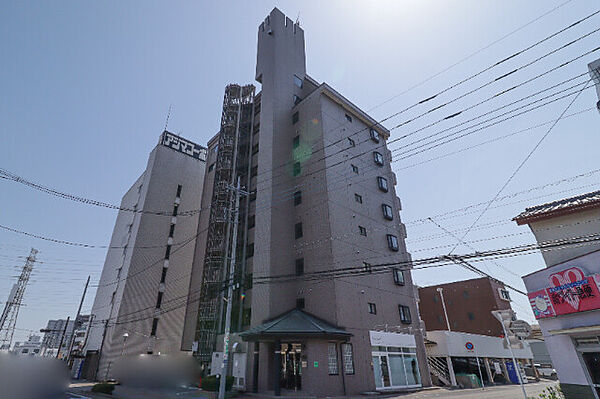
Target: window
[(246, 316), (297, 198), (440, 319), (296, 142), (168, 252), (254, 171), (332, 361), (297, 169), (250, 250), (348, 358), (295, 118), (252, 196), (163, 276), (154, 327), (358, 198), (351, 142), (298, 230), (211, 167), (159, 300), (297, 81), (398, 276), (255, 149), (374, 135), (471, 316), (367, 267), (251, 221), (387, 212), (354, 168), (299, 303), (392, 242), (504, 294), (382, 183), (296, 99), (299, 266), (171, 230), (372, 308), (362, 231), (348, 118), (465, 294), (378, 158), (178, 190), (404, 314)]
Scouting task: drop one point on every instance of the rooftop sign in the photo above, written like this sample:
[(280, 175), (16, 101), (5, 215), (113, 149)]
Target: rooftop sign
[(182, 145)]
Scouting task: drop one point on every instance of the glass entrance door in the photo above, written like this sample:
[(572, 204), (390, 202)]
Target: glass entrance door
[(592, 362), (381, 371), (291, 366)]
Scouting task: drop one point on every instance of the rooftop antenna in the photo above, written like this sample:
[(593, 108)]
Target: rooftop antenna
[(168, 116), (298, 19)]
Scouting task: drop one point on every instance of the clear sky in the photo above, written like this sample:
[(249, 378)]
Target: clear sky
[(85, 88)]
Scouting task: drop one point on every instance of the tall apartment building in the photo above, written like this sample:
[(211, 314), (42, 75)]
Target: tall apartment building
[(469, 304), (321, 199), (146, 274)]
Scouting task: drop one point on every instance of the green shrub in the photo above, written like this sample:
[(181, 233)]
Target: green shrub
[(104, 388), (551, 393), (211, 383)]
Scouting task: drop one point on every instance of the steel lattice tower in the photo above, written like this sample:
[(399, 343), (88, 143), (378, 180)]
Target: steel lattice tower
[(8, 321)]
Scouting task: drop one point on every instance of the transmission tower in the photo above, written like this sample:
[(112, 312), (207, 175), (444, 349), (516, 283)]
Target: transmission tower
[(8, 321)]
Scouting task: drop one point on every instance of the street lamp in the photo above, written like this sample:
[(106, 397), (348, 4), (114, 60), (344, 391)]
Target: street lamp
[(441, 291), (125, 336)]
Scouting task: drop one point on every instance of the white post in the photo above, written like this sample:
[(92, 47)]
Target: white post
[(223, 374), (441, 291), (512, 354)]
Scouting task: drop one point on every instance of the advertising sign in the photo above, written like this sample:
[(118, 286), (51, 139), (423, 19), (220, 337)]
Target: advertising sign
[(569, 291), (184, 146)]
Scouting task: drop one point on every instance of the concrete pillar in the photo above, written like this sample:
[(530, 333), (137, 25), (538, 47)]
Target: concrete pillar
[(451, 371), (488, 370), (505, 370)]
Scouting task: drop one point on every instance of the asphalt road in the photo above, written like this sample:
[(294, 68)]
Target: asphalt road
[(496, 392)]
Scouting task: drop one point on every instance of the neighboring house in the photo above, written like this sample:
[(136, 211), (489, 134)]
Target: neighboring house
[(31, 347)]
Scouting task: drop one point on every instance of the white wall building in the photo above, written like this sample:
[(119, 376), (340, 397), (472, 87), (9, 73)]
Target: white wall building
[(31, 347)]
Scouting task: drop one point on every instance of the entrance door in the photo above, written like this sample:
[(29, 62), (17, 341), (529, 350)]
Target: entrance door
[(291, 366), (381, 371), (592, 361)]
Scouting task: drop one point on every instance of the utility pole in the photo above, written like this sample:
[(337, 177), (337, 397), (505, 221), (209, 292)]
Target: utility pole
[(8, 319), (62, 336), (441, 291), (224, 366), (76, 319), (498, 315)]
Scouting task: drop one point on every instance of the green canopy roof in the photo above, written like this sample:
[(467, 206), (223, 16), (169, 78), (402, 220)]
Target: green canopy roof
[(294, 324)]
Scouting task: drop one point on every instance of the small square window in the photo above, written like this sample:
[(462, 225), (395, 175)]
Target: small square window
[(295, 118), (362, 231), (354, 168), (299, 303), (297, 169), (398, 276), (351, 142), (404, 314), (211, 167), (387, 212), (358, 198), (367, 267), (297, 198), (252, 196), (392, 242), (372, 308), (348, 118), (374, 135), (297, 81), (296, 99), (296, 142), (471, 316), (504, 294), (250, 250), (378, 158), (382, 183), (254, 171), (298, 230), (255, 149), (466, 294), (299, 266), (251, 221)]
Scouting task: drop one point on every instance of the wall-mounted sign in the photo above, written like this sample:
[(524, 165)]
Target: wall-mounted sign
[(569, 291), (316, 364), (469, 346), (184, 146)]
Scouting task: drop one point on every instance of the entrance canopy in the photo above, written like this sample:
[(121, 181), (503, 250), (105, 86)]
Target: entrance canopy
[(295, 324)]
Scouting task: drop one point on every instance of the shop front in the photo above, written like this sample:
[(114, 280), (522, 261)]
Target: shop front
[(395, 364), (565, 299)]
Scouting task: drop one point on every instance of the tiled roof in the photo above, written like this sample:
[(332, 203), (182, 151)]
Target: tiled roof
[(560, 207)]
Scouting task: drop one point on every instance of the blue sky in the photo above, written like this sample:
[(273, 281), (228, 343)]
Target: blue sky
[(86, 87)]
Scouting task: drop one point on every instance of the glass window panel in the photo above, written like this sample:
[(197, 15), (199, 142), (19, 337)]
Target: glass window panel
[(397, 372), (412, 370), (332, 358), (377, 372)]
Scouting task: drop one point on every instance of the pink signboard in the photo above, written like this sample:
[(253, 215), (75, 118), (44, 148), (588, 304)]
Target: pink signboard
[(569, 291)]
